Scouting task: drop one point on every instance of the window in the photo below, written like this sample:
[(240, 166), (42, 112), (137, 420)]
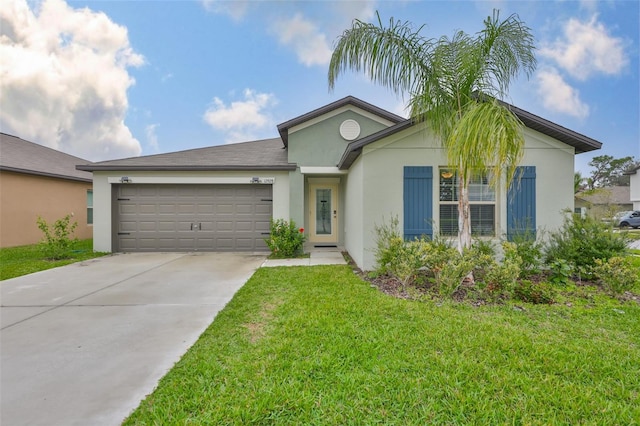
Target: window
[(482, 200), (90, 207)]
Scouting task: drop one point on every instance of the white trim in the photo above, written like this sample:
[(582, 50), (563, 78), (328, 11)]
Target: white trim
[(323, 180), (311, 170), (194, 179)]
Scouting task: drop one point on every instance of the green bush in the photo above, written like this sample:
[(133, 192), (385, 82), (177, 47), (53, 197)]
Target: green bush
[(500, 278), (389, 242), (286, 239), (530, 292), (580, 241), (560, 272), (409, 260), (57, 241), (617, 274), (531, 252)]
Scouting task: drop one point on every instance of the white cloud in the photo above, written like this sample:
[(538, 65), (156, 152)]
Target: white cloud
[(236, 9), (587, 48), (559, 96), (152, 137), (241, 120), (308, 42), (64, 79)]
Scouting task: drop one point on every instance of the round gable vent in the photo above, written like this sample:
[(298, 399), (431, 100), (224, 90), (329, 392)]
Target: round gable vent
[(349, 129)]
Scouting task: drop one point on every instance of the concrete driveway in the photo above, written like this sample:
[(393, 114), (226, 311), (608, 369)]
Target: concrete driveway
[(84, 344)]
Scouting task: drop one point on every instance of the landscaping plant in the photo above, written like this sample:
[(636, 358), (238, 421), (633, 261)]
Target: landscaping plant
[(57, 241), (617, 274), (286, 239), (582, 240)]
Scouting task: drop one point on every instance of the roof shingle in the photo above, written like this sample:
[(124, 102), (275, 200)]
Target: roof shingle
[(21, 156)]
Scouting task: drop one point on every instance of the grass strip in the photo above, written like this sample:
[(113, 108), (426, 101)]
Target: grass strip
[(23, 260)]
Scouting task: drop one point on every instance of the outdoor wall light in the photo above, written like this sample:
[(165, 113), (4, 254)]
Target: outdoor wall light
[(125, 179)]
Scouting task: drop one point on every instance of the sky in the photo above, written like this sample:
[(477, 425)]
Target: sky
[(114, 79)]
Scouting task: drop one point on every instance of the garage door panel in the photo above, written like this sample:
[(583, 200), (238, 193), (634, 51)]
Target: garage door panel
[(193, 217)]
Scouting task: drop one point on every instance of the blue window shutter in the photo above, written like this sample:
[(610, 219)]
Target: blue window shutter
[(521, 203), (418, 205)]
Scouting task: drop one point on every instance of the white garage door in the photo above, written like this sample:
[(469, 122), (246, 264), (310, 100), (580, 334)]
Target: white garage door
[(191, 217)]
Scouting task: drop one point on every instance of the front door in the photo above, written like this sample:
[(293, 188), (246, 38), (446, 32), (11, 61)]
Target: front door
[(323, 220)]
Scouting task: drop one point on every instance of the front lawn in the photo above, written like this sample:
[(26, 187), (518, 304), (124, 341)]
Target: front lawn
[(317, 345), (23, 260)]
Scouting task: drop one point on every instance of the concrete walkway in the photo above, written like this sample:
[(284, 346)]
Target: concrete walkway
[(318, 256)]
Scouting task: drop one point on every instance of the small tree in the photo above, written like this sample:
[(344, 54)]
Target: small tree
[(57, 240)]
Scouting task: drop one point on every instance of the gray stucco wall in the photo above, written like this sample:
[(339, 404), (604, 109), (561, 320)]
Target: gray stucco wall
[(382, 182)]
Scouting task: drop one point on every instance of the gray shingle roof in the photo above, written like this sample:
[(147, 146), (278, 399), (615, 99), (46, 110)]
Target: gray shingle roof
[(267, 154), (608, 195), (21, 156)]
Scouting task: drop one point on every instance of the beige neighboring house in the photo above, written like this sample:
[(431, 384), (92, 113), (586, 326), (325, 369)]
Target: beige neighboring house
[(40, 181), (634, 186), (604, 202)]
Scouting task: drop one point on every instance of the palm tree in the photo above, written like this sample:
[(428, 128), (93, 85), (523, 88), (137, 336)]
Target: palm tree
[(578, 182), (454, 85)]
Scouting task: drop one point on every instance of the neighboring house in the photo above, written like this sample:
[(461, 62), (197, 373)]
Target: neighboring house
[(604, 202), (337, 171), (634, 187), (40, 181)]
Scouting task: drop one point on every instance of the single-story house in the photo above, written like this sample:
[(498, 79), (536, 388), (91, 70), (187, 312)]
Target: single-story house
[(40, 181), (603, 202), (337, 171), (634, 187)]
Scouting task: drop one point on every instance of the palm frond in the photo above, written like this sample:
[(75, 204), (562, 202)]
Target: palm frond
[(396, 56), (487, 137)]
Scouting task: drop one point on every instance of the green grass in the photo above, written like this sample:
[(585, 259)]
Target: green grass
[(317, 345), (22, 260)]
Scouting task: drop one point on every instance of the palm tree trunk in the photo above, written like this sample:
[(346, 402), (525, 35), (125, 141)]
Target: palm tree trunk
[(464, 216)]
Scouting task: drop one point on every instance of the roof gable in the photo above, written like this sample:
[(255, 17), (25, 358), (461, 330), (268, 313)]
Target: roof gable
[(284, 128), (21, 156)]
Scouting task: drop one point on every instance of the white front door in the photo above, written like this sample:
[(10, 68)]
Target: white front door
[(323, 215)]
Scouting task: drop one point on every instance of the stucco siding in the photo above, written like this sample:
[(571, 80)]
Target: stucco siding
[(382, 176), (320, 144), (24, 197), (635, 190), (354, 214), (103, 214), (554, 163)]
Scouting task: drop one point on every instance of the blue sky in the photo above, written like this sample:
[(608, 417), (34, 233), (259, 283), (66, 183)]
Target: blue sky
[(113, 79)]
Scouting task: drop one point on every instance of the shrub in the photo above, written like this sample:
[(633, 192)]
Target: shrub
[(560, 272), (410, 258), (530, 252), (617, 274), (530, 292), (451, 275), (57, 241), (285, 240), (388, 245), (580, 241), (500, 279)]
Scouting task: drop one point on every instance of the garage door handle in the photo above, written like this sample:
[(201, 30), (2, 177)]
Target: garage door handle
[(124, 199), (266, 199), (124, 233), (265, 233)]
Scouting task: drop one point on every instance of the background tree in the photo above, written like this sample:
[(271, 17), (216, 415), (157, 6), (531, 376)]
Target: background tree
[(579, 182), (454, 85), (609, 171)]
